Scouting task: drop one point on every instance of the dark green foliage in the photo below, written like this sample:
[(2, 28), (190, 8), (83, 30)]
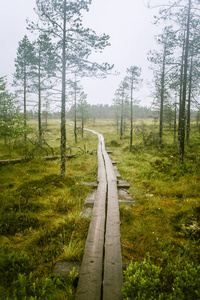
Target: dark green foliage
[(17, 280), (14, 222), (13, 262), (26, 287), (35, 188), (18, 212), (172, 279)]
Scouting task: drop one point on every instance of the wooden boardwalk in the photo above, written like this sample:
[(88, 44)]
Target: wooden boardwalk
[(101, 275)]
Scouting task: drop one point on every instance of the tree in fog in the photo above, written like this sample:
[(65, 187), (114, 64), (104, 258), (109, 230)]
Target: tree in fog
[(120, 100), (24, 68), (185, 15), (11, 122), (132, 79), (82, 110), (45, 66), (162, 62), (62, 20), (75, 93)]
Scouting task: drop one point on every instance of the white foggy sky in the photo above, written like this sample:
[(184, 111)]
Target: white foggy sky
[(128, 22)]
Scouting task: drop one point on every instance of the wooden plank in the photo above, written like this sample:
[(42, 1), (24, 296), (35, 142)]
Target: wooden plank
[(101, 275), (123, 184), (113, 274), (90, 277), (13, 161)]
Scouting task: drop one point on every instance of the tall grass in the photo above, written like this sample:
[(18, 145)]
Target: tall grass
[(40, 215), (164, 224), (41, 223)]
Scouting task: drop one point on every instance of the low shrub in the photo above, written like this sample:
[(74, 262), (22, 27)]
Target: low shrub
[(13, 262), (15, 222), (177, 279)]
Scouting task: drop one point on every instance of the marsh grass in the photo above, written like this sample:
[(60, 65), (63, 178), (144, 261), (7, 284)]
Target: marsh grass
[(40, 212), (164, 223), (40, 220)]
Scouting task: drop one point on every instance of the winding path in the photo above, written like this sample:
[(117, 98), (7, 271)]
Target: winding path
[(101, 275)]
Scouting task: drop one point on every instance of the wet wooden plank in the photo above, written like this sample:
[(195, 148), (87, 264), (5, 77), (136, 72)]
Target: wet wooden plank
[(90, 276), (113, 274), (123, 184), (13, 161), (101, 274)]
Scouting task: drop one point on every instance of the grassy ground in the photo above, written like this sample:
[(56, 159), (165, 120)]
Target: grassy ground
[(41, 223), (162, 230), (40, 216)]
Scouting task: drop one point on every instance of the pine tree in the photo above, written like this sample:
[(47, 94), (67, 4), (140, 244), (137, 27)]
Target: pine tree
[(183, 14), (82, 110), (162, 65), (62, 20), (132, 79), (120, 100), (44, 72), (11, 122), (24, 67)]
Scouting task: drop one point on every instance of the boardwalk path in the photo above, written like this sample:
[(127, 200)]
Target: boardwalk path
[(101, 274)]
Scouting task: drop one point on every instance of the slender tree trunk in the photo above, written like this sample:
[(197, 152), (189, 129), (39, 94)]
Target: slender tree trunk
[(182, 115), (122, 119), (82, 123), (181, 91), (63, 122), (162, 98), (46, 113), (189, 103), (25, 88), (117, 123), (75, 125), (180, 103), (131, 133), (175, 123), (39, 101)]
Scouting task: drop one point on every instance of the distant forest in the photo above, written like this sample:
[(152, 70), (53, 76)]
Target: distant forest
[(108, 112), (98, 111)]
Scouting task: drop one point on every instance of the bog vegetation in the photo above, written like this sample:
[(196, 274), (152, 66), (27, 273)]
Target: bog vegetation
[(41, 220), (40, 216), (160, 233), (41, 200)]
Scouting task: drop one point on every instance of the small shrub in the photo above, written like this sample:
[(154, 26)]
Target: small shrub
[(174, 279), (12, 262), (30, 288), (12, 222), (142, 281)]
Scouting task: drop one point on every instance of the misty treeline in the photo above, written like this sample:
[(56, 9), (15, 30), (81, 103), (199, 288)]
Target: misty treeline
[(176, 70), (56, 53), (96, 112), (176, 67), (51, 65)]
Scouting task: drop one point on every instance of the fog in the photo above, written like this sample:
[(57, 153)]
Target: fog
[(129, 24)]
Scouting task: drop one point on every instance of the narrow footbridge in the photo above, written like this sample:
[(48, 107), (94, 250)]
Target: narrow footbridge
[(101, 275)]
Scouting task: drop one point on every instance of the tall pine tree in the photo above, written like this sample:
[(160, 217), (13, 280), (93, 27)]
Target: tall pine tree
[(24, 68), (62, 20)]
